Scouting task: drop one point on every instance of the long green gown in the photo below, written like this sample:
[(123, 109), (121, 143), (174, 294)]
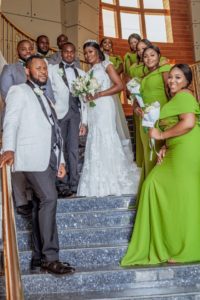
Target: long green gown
[(129, 59), (116, 60), (152, 89), (167, 225), (138, 71)]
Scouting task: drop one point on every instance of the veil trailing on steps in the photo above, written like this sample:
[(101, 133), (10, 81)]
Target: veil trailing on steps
[(2, 63)]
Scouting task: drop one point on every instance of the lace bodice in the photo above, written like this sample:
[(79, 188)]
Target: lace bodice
[(99, 72)]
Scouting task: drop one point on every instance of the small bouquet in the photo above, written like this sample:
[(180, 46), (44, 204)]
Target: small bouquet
[(151, 115), (85, 85), (133, 87)]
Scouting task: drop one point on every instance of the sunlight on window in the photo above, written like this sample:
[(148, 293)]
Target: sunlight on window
[(153, 23), (129, 3), (108, 1), (130, 23), (109, 23), (158, 4)]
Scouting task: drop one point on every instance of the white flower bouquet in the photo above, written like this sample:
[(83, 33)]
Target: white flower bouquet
[(151, 116), (85, 85), (133, 87)]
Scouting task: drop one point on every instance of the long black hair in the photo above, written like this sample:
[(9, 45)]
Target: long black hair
[(95, 45)]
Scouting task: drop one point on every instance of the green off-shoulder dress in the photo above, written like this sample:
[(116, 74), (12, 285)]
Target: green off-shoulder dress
[(138, 71), (167, 225), (130, 58), (152, 89), (116, 60)]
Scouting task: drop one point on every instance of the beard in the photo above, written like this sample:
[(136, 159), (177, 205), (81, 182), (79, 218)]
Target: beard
[(37, 81), (23, 58), (43, 52)]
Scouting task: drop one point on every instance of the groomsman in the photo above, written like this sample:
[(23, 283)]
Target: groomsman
[(56, 58), (42, 44), (32, 144), (14, 74), (71, 112)]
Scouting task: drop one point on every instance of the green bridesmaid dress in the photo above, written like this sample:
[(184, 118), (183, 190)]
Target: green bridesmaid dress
[(129, 59), (138, 71), (116, 60), (167, 225), (152, 89)]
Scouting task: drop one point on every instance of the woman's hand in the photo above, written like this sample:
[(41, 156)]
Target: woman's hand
[(90, 97), (161, 154), (139, 112), (155, 133)]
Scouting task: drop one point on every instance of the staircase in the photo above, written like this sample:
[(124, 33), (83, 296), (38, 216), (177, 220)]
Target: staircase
[(93, 235)]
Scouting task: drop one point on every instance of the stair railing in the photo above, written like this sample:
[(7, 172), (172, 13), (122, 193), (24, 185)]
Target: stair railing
[(196, 79), (11, 35), (14, 290)]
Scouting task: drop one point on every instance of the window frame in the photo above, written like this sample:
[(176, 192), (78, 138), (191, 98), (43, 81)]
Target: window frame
[(141, 11)]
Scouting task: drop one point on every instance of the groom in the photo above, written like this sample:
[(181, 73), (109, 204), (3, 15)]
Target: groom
[(72, 115)]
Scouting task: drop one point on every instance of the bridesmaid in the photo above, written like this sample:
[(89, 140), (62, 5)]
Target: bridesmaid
[(131, 56), (153, 88), (167, 224), (137, 70), (106, 46)]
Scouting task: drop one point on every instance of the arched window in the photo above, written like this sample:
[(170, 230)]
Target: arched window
[(150, 18)]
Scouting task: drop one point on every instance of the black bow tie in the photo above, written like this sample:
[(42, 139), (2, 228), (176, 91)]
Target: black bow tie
[(69, 66)]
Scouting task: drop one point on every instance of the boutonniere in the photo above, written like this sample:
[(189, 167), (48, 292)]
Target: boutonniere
[(60, 72), (38, 91)]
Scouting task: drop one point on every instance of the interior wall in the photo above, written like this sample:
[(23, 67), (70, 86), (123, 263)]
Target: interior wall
[(76, 18), (195, 9), (182, 48)]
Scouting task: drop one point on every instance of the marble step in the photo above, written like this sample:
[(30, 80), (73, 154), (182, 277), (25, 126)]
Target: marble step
[(82, 237), (111, 279), (83, 257), (172, 293), (85, 219), (80, 204)]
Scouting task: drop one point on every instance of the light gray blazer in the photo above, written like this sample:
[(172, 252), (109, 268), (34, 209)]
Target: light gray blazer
[(61, 93), (14, 74), (26, 130)]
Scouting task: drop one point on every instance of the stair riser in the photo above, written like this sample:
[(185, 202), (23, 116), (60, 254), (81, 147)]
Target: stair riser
[(105, 281), (94, 204), (86, 258), (81, 238), (85, 220)]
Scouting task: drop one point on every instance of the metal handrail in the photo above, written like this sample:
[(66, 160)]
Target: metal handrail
[(14, 289)]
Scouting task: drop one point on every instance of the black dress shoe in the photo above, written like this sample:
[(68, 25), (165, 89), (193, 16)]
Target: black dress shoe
[(36, 264), (65, 194), (57, 267), (24, 210)]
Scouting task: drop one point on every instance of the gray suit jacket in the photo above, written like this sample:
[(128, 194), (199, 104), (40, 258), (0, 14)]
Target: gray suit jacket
[(14, 74), (26, 130)]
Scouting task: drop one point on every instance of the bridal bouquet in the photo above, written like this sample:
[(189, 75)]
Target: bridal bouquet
[(85, 85), (151, 115), (133, 87)]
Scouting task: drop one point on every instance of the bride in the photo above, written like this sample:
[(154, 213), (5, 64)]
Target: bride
[(108, 166)]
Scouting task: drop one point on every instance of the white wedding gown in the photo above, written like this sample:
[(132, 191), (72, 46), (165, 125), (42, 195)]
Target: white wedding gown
[(108, 168)]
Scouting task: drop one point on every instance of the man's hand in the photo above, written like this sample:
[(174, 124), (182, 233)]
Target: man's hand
[(6, 158), (82, 130), (61, 171)]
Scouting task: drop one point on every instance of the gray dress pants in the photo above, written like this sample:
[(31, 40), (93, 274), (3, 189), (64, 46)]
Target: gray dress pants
[(44, 228)]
